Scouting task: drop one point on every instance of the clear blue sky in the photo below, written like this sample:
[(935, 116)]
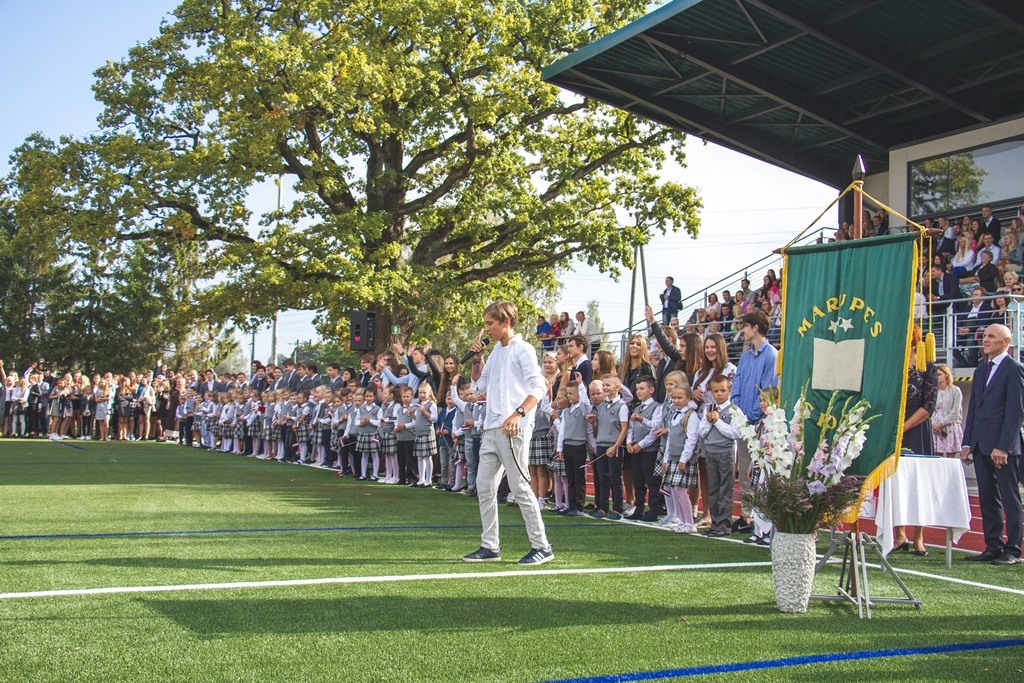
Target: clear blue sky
[(50, 50)]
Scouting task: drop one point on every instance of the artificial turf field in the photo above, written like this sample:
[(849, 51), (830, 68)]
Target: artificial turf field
[(397, 604)]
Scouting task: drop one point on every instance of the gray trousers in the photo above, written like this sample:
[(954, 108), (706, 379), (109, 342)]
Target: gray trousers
[(743, 463), (721, 467), (496, 456)]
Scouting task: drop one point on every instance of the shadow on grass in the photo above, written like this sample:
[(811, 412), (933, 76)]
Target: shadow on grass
[(211, 618)]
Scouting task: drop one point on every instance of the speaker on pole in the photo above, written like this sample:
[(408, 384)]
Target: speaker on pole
[(362, 330)]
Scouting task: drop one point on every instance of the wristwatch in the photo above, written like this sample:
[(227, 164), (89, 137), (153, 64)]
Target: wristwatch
[(522, 413)]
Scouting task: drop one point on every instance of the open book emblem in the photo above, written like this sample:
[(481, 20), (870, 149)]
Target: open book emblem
[(838, 365)]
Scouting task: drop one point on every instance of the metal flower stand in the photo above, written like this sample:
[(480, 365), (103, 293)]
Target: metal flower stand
[(853, 583)]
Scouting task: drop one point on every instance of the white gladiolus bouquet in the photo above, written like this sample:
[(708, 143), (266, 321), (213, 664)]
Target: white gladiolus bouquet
[(798, 493)]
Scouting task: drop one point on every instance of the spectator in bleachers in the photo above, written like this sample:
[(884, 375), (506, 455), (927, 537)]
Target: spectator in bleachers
[(964, 260), (671, 301), (947, 244), (988, 243), (543, 333), (1013, 252), (945, 288), (585, 327), (556, 331), (713, 308), (766, 287), (745, 296), (1017, 227), (566, 324), (728, 315), (987, 274), (970, 326), (989, 224)]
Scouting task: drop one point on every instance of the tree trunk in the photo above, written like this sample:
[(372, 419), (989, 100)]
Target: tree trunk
[(385, 318)]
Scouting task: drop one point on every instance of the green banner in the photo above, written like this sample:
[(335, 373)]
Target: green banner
[(847, 316)]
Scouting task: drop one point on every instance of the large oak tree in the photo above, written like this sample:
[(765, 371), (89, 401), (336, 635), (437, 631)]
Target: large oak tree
[(431, 167)]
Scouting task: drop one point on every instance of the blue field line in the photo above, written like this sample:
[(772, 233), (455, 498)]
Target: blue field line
[(71, 445), (792, 661), (209, 532)]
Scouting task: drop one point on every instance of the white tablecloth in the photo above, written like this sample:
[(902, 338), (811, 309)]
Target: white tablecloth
[(924, 491)]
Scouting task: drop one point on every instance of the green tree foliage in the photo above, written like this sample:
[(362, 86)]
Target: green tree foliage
[(433, 169), (946, 184)]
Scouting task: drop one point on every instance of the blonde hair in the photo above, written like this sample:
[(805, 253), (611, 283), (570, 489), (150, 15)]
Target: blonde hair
[(945, 372), (502, 311), (677, 376)]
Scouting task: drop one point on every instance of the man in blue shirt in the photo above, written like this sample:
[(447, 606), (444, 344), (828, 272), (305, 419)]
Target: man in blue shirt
[(755, 373), (544, 333)]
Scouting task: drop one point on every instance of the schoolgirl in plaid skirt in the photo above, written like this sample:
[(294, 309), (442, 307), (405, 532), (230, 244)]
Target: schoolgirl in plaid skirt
[(680, 463), (425, 446), (241, 422), (365, 420), (386, 434), (556, 465), (302, 425)]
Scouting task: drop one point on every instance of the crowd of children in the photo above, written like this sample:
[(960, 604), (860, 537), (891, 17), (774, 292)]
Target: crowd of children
[(387, 425)]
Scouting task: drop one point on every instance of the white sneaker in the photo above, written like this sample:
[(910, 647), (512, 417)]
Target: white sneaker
[(54, 437), (630, 509), (669, 522)]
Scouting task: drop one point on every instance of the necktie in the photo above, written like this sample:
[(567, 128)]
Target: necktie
[(988, 372)]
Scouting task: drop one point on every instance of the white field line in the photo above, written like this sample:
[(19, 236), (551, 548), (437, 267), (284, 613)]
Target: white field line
[(376, 579)]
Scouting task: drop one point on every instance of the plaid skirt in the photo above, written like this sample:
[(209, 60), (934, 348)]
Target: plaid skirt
[(321, 436), (542, 447), (687, 479), (274, 433), (388, 443), (301, 433), (425, 446), (256, 429), (557, 467), (239, 429), (366, 444)]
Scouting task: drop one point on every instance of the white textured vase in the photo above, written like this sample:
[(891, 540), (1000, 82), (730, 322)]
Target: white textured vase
[(792, 570)]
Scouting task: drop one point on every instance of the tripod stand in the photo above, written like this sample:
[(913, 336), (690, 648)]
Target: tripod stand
[(853, 583)]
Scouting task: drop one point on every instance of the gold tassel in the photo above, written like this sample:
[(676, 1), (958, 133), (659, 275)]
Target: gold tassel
[(929, 347), (919, 359)]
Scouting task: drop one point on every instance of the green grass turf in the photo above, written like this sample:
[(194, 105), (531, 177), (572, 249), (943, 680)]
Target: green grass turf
[(525, 628)]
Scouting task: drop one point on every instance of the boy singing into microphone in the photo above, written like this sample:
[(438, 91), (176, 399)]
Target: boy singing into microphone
[(514, 386)]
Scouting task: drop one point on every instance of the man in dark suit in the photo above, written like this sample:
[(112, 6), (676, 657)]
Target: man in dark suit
[(992, 438), (970, 325), (259, 380), (335, 382), (211, 383), (290, 375), (313, 376), (990, 225), (671, 301), (945, 288)]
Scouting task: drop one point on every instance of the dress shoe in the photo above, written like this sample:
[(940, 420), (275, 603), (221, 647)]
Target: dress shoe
[(1006, 560), (902, 547), (986, 556)]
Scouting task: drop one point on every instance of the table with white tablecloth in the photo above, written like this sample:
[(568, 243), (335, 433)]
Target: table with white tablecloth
[(924, 491)]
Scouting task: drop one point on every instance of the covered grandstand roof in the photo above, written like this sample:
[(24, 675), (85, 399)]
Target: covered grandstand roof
[(809, 84)]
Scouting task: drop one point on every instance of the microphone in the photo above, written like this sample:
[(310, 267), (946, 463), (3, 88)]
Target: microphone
[(470, 354)]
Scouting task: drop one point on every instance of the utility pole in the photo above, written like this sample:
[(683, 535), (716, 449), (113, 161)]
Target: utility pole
[(273, 325)]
